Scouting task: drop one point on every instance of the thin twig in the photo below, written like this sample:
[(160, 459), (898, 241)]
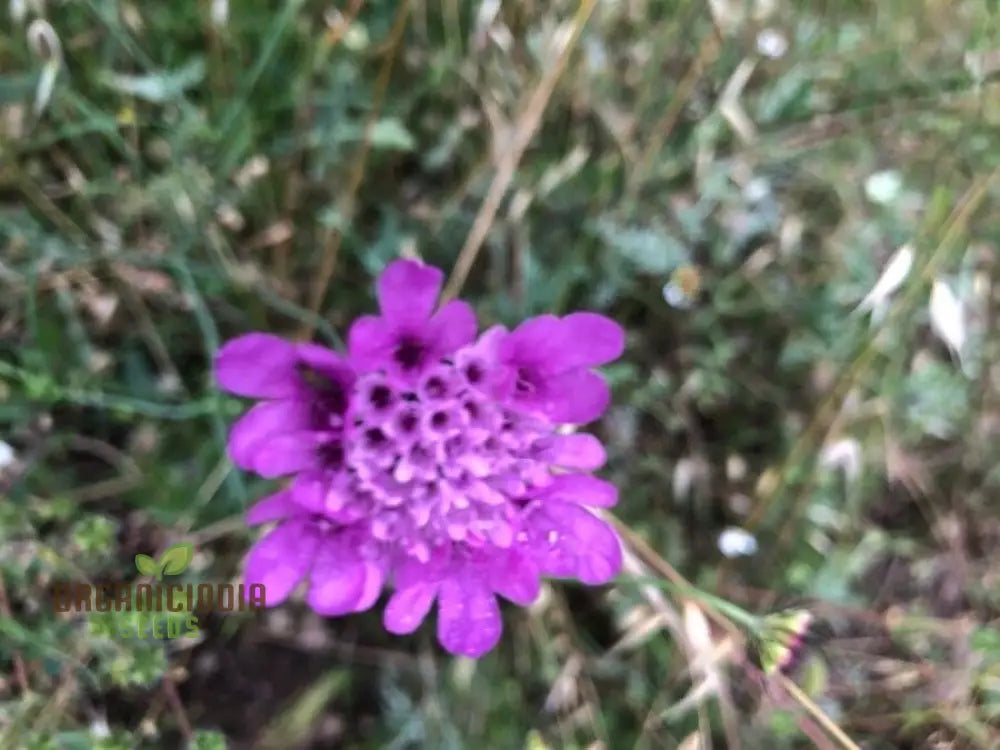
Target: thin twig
[(177, 707), (332, 236), (525, 129), (707, 53), (817, 713)]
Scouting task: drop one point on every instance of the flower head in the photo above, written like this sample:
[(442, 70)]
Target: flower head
[(427, 460), (782, 639)]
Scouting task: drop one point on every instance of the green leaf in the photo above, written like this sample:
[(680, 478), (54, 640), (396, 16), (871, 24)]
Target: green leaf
[(651, 249), (159, 86), (206, 740), (391, 134), (176, 559), (146, 565)]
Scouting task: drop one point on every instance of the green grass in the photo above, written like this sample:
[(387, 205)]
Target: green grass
[(185, 183)]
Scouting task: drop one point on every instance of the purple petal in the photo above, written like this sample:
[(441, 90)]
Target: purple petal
[(407, 291), (326, 361), (582, 489), (286, 454), (308, 491), (410, 572), (575, 397), (375, 575), (408, 607), (370, 342), (326, 494), (536, 341), (281, 559), (258, 426), (452, 327), (335, 582), (578, 450), (568, 541), (416, 588), (341, 580), (487, 346), (596, 339), (258, 365), (554, 345), (468, 617), (514, 576), (271, 508)]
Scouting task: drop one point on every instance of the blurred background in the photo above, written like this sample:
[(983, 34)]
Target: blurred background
[(791, 207)]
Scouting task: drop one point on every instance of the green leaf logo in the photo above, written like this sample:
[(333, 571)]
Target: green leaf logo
[(176, 559), (146, 565), (172, 562)]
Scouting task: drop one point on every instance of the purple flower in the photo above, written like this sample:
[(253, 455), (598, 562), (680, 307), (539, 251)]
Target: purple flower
[(427, 461)]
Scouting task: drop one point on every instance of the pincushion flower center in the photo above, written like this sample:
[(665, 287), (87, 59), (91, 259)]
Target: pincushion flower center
[(409, 353), (438, 459)]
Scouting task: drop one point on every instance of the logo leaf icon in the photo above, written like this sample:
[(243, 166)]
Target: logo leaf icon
[(147, 566), (176, 559)]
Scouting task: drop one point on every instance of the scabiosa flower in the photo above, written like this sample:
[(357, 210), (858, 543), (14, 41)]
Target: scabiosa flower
[(427, 460), (782, 640)]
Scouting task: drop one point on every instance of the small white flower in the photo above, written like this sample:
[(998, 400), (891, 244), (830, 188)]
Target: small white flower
[(736, 542), (845, 455), (736, 468), (883, 187), (99, 728), (948, 317), (7, 456), (772, 43), (757, 190), (689, 472), (895, 273)]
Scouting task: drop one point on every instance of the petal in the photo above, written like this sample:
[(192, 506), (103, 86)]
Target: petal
[(568, 541), (410, 572), (535, 342), (582, 489), (327, 362), (407, 291), (514, 576), (325, 493), (578, 450), (259, 425), (375, 575), (286, 454), (487, 346), (452, 327), (258, 365), (341, 580), (555, 345), (575, 397), (408, 607), (309, 491), (596, 339), (370, 342), (469, 621), (281, 559), (271, 508)]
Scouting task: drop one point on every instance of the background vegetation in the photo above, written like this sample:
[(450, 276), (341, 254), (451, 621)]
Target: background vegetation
[(176, 173)]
